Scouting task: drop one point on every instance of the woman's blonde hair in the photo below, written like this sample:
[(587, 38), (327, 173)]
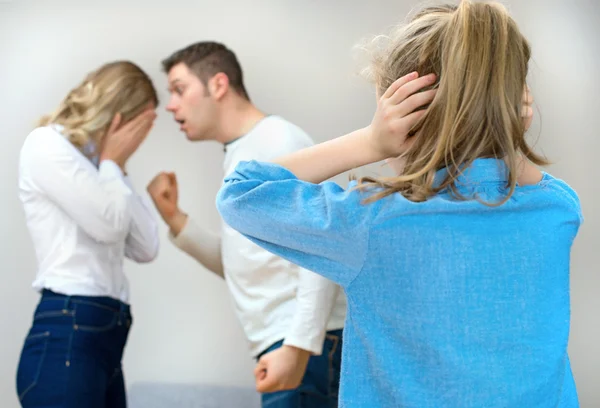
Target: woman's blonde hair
[(480, 59), (88, 110)]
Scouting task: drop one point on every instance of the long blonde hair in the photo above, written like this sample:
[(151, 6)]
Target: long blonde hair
[(481, 60), (88, 110)]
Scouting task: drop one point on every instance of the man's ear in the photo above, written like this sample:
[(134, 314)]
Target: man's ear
[(218, 85)]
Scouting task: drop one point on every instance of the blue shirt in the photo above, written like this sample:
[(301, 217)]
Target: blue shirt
[(451, 304)]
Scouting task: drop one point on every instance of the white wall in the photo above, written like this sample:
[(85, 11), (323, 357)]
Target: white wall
[(298, 63)]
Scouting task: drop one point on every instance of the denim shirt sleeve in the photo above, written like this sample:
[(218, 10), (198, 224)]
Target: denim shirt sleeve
[(320, 227)]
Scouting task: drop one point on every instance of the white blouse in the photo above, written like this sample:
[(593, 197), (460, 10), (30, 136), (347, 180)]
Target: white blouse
[(83, 219)]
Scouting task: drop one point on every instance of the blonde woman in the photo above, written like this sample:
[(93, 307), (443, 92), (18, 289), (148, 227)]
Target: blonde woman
[(84, 217), (457, 269)]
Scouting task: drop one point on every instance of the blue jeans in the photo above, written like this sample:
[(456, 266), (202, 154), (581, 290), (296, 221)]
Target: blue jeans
[(320, 384), (72, 354)]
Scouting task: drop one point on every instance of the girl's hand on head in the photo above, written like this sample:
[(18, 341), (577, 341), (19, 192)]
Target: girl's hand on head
[(398, 111)]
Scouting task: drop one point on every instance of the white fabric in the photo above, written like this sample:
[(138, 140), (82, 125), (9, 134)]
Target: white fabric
[(275, 299), (82, 220)]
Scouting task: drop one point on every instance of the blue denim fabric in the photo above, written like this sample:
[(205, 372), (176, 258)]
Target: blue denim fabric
[(72, 354), (451, 303), (321, 381)]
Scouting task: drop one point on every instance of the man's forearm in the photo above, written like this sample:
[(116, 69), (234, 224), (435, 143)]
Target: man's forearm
[(202, 245)]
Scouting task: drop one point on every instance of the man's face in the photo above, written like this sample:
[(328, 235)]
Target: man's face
[(191, 104)]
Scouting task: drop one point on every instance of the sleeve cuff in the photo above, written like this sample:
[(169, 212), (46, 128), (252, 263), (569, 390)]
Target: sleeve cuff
[(111, 168), (127, 181), (313, 344), (183, 238)]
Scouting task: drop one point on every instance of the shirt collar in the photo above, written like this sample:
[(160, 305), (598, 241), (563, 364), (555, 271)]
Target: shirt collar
[(89, 150), (486, 170)]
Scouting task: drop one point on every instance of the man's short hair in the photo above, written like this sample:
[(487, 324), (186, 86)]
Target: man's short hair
[(206, 59)]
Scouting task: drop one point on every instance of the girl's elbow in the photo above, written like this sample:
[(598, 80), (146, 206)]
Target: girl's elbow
[(226, 205), (236, 208), (233, 215)]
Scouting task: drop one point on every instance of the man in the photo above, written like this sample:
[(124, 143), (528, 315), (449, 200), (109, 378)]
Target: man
[(293, 318)]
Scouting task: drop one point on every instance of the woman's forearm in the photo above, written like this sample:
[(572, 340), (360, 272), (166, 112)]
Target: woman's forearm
[(326, 160)]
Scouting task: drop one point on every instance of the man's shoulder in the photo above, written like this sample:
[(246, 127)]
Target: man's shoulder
[(278, 131), (272, 138)]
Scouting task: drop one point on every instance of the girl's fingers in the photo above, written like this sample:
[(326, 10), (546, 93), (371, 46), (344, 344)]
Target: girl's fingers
[(415, 102), (399, 83), (410, 88)]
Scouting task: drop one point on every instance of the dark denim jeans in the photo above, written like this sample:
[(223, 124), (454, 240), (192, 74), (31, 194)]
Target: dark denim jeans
[(72, 354), (321, 382)]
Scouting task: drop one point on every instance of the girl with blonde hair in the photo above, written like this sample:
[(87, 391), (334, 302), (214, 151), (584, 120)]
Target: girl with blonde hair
[(84, 218), (456, 269)]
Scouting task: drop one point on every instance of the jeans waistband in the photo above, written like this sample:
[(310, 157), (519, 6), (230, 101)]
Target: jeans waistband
[(104, 302)]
